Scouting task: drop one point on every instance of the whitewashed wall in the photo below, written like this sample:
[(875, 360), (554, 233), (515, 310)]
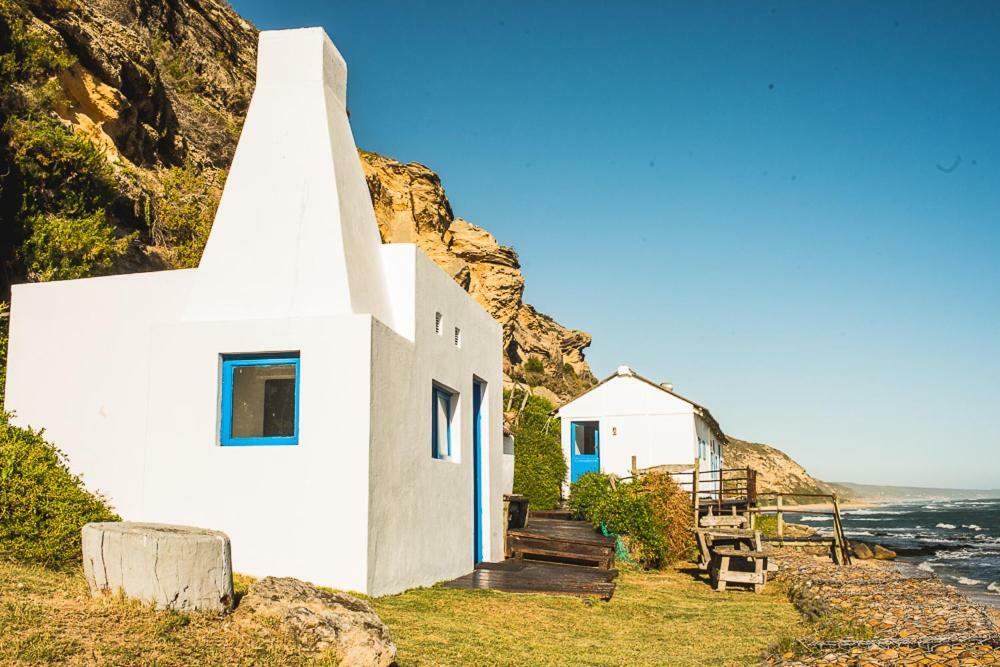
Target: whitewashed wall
[(124, 372), (421, 528)]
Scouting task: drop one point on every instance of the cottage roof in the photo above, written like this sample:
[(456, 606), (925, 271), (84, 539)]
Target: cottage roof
[(627, 372)]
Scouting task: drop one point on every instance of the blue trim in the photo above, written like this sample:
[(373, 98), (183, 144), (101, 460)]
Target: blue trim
[(477, 463), (229, 363), (581, 464)]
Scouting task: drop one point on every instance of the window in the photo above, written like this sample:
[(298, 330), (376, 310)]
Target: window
[(443, 406), (585, 438), (438, 323), (260, 399)]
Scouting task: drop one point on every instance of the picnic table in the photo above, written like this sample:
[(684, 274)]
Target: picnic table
[(721, 572)]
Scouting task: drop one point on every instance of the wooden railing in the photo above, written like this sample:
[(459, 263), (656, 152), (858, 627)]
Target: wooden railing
[(841, 547)]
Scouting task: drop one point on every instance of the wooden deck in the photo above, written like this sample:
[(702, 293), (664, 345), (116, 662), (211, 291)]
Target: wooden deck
[(526, 576), (561, 541), (550, 555)]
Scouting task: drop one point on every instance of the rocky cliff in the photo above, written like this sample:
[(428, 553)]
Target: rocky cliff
[(776, 471), (142, 100)]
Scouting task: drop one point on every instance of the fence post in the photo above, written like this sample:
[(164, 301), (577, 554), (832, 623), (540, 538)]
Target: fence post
[(781, 521), (635, 468), (694, 490)]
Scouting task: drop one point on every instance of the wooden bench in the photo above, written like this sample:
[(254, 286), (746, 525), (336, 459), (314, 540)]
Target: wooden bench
[(724, 521), (721, 573), (724, 537)]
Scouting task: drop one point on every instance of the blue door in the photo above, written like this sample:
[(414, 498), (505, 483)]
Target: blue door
[(585, 447), (477, 469)]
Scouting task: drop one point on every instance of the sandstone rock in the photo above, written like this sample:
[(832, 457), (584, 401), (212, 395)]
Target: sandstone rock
[(173, 567), (883, 553), (862, 551), (323, 620)]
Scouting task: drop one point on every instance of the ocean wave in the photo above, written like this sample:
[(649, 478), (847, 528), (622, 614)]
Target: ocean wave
[(857, 533), (926, 566), (974, 527), (816, 518), (995, 587), (947, 526), (875, 511), (965, 581)]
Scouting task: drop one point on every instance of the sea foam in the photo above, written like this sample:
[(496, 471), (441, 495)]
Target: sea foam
[(947, 526)]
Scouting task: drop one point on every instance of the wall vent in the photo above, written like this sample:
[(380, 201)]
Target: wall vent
[(438, 319), (458, 337)]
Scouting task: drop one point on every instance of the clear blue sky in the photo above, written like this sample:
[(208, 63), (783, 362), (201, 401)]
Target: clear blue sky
[(790, 210)]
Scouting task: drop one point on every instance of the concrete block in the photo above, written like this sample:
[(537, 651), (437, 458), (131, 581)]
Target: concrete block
[(173, 567)]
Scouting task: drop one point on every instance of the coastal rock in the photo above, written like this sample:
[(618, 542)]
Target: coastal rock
[(776, 471), (883, 553), (321, 620), (862, 551)]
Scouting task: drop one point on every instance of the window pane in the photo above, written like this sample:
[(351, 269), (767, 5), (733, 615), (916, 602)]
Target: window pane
[(442, 405), (586, 438), (264, 401)]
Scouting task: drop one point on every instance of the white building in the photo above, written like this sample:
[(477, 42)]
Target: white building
[(627, 415), (332, 403)]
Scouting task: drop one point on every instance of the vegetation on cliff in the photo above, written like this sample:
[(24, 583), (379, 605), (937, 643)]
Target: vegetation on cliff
[(118, 121)]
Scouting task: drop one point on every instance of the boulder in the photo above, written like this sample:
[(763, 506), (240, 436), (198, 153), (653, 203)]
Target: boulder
[(172, 567), (322, 620), (883, 553), (862, 551)]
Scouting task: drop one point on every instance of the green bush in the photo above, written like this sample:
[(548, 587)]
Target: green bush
[(539, 466), (66, 247), (63, 172), (43, 505), (185, 212), (652, 515)]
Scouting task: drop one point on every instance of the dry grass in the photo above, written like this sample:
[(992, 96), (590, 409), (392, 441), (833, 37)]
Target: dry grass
[(48, 617), (664, 618)]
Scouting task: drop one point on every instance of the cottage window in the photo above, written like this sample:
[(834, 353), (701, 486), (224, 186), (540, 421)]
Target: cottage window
[(260, 399), (585, 438), (442, 413)]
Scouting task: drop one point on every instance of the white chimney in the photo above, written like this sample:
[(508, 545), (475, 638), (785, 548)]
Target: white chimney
[(295, 234), (625, 371)]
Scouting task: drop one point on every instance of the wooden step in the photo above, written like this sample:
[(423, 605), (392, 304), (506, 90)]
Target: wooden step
[(560, 541)]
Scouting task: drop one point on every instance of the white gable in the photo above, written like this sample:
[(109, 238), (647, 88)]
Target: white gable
[(625, 394), (295, 234)]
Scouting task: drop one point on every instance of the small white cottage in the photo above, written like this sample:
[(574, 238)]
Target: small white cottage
[(330, 402), (626, 415)]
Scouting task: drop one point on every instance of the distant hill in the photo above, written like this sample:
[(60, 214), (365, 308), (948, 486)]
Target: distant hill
[(776, 471), (885, 493)]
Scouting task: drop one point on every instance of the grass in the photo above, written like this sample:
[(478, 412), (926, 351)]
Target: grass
[(655, 618)]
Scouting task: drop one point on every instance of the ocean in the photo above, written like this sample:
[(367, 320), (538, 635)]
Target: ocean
[(957, 540)]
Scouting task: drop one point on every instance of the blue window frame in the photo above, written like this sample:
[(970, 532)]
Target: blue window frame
[(260, 399), (442, 410)]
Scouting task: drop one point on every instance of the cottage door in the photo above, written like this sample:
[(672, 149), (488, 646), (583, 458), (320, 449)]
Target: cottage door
[(585, 448)]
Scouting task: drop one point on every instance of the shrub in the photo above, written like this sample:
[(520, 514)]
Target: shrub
[(652, 515), (66, 247), (539, 466), (185, 212), (534, 365), (43, 505), (63, 172)]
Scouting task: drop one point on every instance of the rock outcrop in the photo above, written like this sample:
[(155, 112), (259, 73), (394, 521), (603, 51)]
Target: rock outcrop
[(159, 86), (323, 621), (776, 471), (411, 207)]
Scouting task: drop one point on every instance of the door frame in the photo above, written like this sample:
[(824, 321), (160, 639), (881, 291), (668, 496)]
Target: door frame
[(591, 461), (478, 393)]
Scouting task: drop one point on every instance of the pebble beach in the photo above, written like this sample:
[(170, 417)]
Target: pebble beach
[(896, 616)]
